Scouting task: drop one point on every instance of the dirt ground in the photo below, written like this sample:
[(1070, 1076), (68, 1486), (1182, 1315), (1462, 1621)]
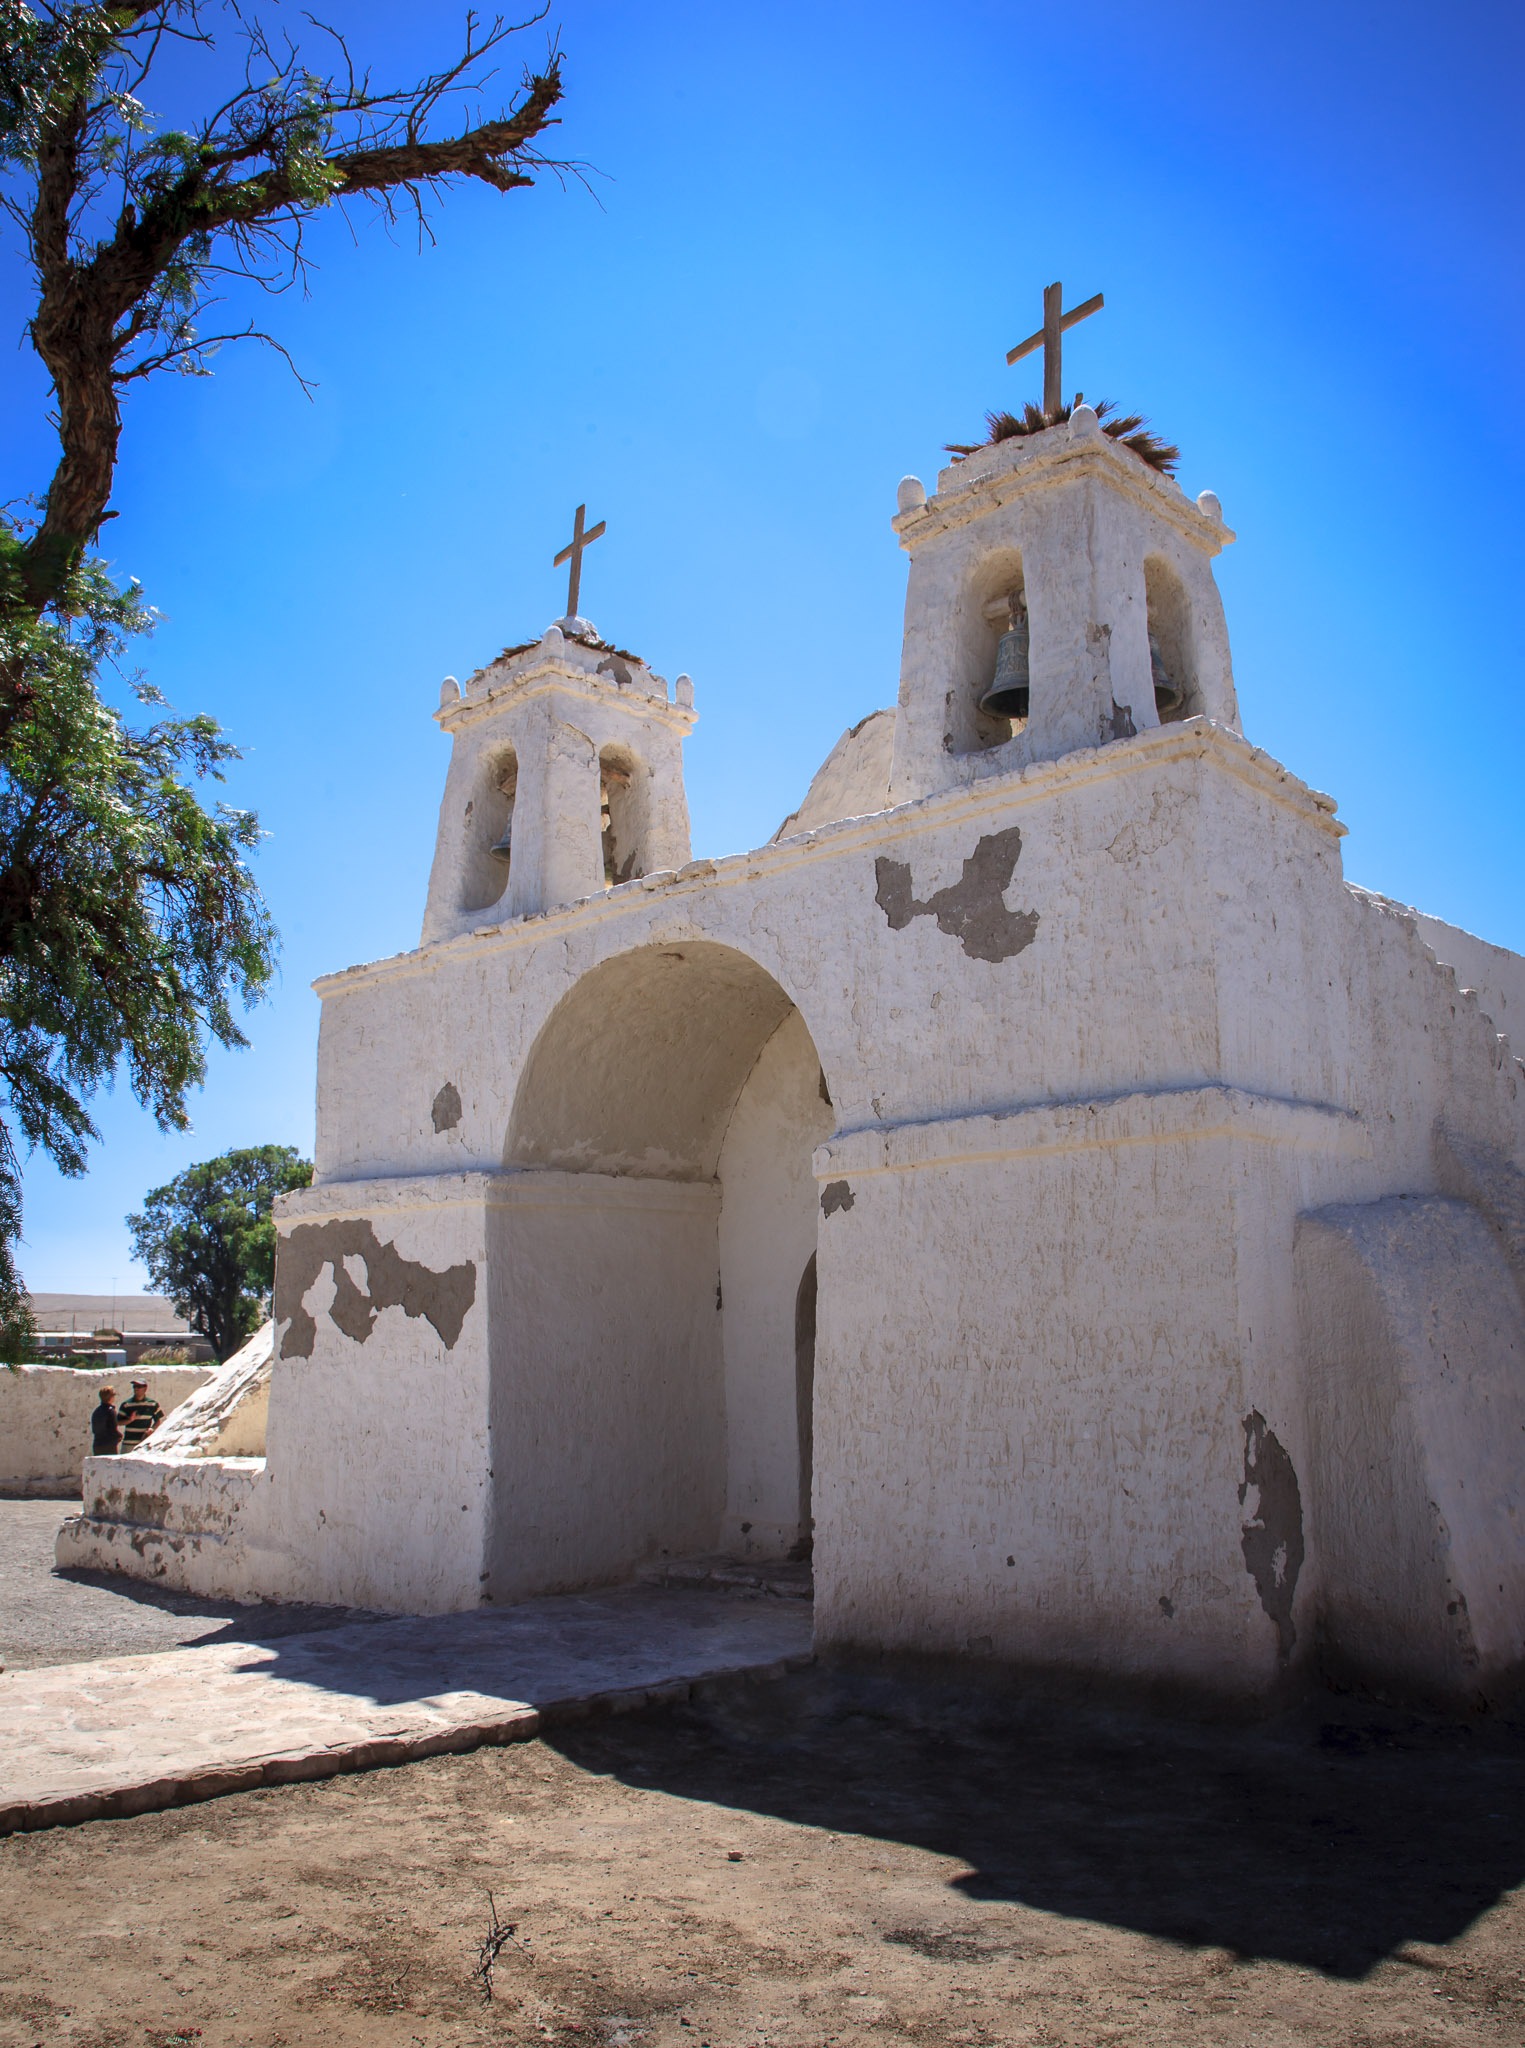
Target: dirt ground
[(819, 1860)]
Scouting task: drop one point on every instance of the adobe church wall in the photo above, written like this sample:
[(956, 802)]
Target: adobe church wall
[(1414, 1337), (607, 1408), (989, 986), (1497, 974), (1078, 1386), (768, 1219), (1322, 992), (378, 1436), (1158, 929)]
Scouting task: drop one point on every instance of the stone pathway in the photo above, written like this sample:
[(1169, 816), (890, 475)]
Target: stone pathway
[(126, 1735)]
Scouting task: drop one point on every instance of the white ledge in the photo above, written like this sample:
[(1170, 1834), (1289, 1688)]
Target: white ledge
[(530, 1187), (1147, 1117)]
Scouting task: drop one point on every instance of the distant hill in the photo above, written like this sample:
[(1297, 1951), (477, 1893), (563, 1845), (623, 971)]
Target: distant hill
[(132, 1314)]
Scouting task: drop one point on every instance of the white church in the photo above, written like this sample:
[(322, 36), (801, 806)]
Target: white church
[(1035, 1187)]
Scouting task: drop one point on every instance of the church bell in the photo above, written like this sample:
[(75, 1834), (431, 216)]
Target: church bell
[(1007, 696), (1168, 696), (503, 851)]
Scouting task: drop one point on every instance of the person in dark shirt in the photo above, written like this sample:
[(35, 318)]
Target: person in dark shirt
[(106, 1425), (140, 1416)]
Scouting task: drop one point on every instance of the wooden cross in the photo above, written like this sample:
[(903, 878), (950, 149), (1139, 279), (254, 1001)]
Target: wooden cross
[(573, 550), (1055, 321)]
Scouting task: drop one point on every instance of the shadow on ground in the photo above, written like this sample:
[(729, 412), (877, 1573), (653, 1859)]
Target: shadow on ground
[(51, 1617), (255, 1621), (1329, 1840)]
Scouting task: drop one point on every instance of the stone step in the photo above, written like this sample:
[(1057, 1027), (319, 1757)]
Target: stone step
[(780, 1577)]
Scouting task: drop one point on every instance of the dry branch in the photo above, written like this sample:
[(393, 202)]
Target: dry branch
[(127, 227)]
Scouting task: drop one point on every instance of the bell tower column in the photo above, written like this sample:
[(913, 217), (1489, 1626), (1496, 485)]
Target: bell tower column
[(557, 854)]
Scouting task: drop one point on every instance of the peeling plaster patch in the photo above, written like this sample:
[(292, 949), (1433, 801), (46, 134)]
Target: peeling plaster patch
[(1143, 837), (391, 1282), (836, 1195), (971, 909), (1272, 1532), (446, 1108)]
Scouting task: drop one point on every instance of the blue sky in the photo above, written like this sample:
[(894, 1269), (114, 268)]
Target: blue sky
[(812, 234)]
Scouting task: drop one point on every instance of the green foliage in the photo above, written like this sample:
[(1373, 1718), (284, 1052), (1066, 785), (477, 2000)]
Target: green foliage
[(208, 1239), (18, 1332), (1131, 429), (129, 921)]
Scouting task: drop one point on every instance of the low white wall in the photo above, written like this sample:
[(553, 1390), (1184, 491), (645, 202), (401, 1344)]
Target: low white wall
[(45, 1420), (191, 1524)]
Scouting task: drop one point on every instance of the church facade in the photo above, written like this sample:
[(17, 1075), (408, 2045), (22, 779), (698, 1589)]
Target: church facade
[(1036, 1186)]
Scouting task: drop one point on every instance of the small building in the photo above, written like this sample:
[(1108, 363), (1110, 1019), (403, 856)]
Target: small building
[(1036, 1186), (117, 1329)]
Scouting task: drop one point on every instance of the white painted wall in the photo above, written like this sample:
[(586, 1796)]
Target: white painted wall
[(607, 1411), (199, 1526), (768, 1216), (45, 1419), (1497, 974), (1414, 1337), (378, 1468)]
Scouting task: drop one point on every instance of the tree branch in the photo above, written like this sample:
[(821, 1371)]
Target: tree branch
[(98, 304)]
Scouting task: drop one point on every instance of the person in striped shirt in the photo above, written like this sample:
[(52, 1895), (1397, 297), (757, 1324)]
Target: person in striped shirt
[(139, 1417)]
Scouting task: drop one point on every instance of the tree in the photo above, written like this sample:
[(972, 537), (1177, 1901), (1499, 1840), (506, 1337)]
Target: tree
[(129, 921), (127, 228), (208, 1239)]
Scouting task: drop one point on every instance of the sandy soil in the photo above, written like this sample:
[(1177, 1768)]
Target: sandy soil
[(819, 1860)]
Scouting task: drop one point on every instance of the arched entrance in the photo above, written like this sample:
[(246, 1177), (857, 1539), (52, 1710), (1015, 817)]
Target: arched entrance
[(652, 1365)]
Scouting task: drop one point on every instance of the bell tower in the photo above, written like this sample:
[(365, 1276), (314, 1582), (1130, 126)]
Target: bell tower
[(1061, 596), (566, 772), (565, 778)]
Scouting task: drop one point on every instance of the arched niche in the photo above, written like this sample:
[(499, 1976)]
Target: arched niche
[(637, 1069), (625, 805), (984, 615), (1170, 630), (652, 1389), (489, 817)]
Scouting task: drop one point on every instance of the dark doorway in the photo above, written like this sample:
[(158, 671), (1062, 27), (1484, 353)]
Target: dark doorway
[(804, 1400)]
